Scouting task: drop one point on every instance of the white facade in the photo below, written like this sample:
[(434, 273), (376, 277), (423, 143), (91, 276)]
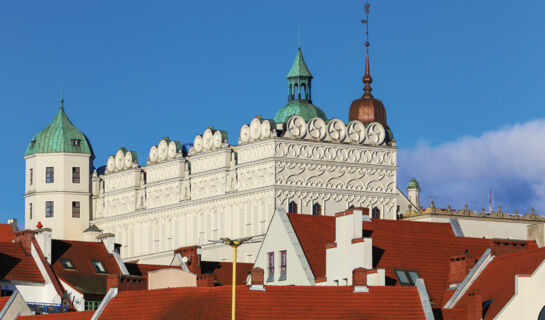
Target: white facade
[(62, 192), (232, 191)]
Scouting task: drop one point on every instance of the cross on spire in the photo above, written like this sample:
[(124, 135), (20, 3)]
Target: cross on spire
[(62, 99), (367, 77)]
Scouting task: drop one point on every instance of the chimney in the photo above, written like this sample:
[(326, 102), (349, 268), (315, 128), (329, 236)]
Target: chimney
[(359, 280), (25, 237), (126, 282), (109, 241), (43, 237), (13, 223), (258, 276), (206, 280), (459, 267), (193, 255), (474, 305)]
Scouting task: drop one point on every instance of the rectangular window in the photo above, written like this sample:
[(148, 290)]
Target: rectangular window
[(407, 277), (270, 269), (99, 266), (31, 174), (30, 211), (91, 304), (49, 209), (75, 174), (67, 264), (49, 175), (283, 265), (75, 209)]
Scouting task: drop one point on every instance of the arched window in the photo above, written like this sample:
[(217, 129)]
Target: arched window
[(316, 209), (304, 91), (296, 92), (292, 207), (375, 213), (290, 94)]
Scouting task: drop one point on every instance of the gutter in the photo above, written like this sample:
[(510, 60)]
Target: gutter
[(424, 298)]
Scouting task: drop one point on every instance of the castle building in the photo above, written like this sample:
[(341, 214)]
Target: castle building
[(301, 161)]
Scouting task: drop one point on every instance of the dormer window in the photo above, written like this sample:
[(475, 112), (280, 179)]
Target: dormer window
[(99, 266), (32, 143), (407, 277), (76, 142), (67, 264)]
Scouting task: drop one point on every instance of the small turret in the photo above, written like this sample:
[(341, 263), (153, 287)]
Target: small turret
[(414, 192)]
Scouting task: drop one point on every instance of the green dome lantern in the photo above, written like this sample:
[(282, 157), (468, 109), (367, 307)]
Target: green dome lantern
[(413, 184), (60, 136), (299, 94)]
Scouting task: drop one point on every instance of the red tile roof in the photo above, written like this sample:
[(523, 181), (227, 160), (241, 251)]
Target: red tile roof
[(293, 302), (425, 247), (224, 271), (313, 233), (6, 233), (16, 264), (3, 301), (497, 281), (83, 315), (83, 278)]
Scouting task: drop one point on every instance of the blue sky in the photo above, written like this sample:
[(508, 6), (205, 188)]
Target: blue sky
[(451, 75)]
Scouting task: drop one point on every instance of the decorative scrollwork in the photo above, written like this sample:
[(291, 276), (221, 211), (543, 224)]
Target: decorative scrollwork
[(375, 133), (245, 134), (336, 130), (297, 126), (197, 143), (255, 129), (317, 129), (356, 131), (207, 140)]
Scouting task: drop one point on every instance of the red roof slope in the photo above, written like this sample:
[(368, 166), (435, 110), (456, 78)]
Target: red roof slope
[(497, 281), (84, 277), (3, 301), (6, 233), (420, 246), (16, 264), (313, 233), (224, 271), (83, 315), (292, 302)]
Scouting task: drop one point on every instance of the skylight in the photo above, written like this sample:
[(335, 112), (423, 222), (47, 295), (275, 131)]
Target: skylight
[(99, 266), (407, 277), (67, 264)]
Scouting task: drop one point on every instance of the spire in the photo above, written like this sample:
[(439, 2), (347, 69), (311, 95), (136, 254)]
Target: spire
[(299, 68), (367, 76)]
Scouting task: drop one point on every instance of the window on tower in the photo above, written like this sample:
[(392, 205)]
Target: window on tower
[(31, 175), (30, 211), (49, 209), (49, 175), (75, 175), (316, 209), (292, 207), (76, 142), (75, 209), (375, 213)]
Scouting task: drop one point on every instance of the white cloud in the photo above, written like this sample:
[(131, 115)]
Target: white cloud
[(511, 160)]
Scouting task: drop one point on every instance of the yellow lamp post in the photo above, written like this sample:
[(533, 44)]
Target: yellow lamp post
[(234, 244)]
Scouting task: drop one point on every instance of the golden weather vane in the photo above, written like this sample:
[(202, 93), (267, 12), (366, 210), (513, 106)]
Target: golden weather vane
[(366, 22)]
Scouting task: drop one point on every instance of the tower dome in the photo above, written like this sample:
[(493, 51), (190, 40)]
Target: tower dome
[(60, 136), (299, 94)]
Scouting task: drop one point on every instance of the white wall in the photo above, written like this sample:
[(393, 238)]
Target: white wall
[(528, 299)]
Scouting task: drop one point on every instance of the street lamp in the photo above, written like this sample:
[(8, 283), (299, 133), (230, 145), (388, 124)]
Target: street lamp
[(235, 243)]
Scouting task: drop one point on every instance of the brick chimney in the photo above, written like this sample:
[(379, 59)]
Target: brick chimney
[(206, 280), (459, 268), (258, 278), (193, 255), (359, 280), (474, 305), (503, 247), (126, 282), (24, 237)]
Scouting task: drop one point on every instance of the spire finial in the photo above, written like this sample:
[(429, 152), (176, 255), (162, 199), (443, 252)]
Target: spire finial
[(299, 37), (62, 99), (367, 77)]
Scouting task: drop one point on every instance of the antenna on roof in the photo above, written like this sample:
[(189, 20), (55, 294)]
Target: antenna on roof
[(490, 201)]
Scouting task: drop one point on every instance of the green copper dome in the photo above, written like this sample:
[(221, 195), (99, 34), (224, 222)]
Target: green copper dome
[(60, 136), (413, 184), (301, 108), (299, 93)]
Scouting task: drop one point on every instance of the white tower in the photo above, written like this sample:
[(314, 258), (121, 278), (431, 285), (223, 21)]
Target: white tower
[(414, 192), (57, 187)]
